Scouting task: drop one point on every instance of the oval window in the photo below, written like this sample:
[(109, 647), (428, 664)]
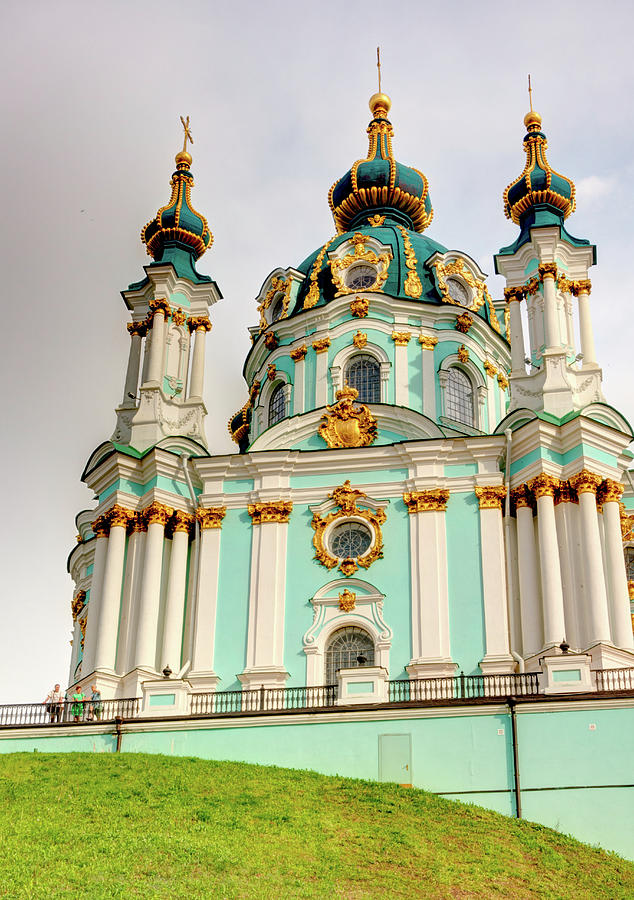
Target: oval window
[(359, 278), (350, 540)]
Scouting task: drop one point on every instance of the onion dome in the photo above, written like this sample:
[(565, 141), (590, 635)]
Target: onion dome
[(177, 226), (539, 189), (379, 185)]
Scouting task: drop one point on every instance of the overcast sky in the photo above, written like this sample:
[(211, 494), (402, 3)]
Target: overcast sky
[(277, 94)]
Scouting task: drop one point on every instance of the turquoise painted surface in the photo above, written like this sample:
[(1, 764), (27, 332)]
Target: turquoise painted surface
[(563, 459), (78, 742), (90, 569), (415, 375), (238, 486), (567, 675), (356, 478), (178, 298), (138, 490), (466, 598), (162, 699), (360, 687), (459, 470), (233, 598), (310, 374)]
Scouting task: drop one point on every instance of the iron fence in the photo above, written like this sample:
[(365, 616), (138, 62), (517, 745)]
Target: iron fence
[(262, 700), (69, 711), (464, 687)]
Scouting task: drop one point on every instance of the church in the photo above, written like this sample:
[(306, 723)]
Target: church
[(426, 481)]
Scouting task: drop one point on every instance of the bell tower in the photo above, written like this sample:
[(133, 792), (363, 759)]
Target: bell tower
[(169, 310)]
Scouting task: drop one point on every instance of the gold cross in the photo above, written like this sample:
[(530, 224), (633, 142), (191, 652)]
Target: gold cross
[(378, 65), (530, 93), (188, 134)]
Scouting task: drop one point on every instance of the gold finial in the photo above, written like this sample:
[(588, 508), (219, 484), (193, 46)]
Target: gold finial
[(532, 120), (184, 158), (380, 103)]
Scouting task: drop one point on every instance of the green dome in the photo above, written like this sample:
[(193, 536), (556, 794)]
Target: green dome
[(379, 185)]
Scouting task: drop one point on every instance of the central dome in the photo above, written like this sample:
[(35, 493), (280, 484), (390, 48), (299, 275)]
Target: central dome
[(379, 185)]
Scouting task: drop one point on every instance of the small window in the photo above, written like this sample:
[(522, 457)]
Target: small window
[(278, 309), (349, 540), (277, 405), (348, 648), (359, 278), (364, 374), (457, 291), (459, 397)]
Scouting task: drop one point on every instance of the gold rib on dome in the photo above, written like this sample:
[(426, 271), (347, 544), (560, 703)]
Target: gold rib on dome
[(541, 183), (362, 197)]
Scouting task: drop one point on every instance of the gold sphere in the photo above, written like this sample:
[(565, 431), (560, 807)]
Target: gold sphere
[(380, 104), (532, 118), (183, 157)]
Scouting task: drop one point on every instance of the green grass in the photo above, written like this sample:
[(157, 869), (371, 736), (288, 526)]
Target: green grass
[(101, 826)]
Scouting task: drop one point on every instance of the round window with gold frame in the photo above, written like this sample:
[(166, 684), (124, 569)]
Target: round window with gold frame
[(361, 277)]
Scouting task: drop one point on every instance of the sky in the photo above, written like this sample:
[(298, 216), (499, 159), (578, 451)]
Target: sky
[(277, 97)]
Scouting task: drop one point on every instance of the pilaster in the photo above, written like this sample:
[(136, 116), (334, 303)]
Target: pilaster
[(203, 676)]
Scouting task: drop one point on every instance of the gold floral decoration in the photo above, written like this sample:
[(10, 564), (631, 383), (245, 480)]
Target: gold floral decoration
[(271, 372), (543, 485), (627, 524), (119, 516), (159, 305), (413, 286), (346, 425), (157, 514), (401, 338), (321, 345), (137, 523), (513, 293), (181, 521), (581, 286), (271, 341), (489, 368), (359, 307), (521, 497), (360, 339), (347, 499), (77, 604), (347, 600), (480, 291), (426, 501), (503, 380), (272, 511), (138, 328), (199, 323), (299, 353), (585, 482), (211, 517), (427, 342), (278, 286), (339, 267), (312, 297), (179, 316), (565, 493), (464, 322), (101, 527), (463, 353), (82, 627), (547, 270), (610, 491), (490, 497)]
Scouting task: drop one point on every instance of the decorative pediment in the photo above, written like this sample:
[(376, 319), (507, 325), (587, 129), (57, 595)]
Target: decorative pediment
[(347, 425), (460, 281), (360, 264)]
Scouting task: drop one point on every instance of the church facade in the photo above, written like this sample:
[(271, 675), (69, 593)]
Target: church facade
[(427, 481)]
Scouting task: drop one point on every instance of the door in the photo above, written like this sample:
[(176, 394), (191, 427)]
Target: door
[(395, 758)]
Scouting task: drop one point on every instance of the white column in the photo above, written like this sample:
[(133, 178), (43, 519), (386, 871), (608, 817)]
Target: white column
[(157, 347), (427, 344), (518, 353), (401, 376), (131, 586), (619, 598), (496, 627), (106, 644), (528, 566), (299, 357), (134, 362), (204, 628), (567, 540), (582, 291), (175, 595), (101, 528), (431, 653), (196, 381), (321, 375), (543, 486), (150, 594), (548, 271), (267, 595), (586, 484)]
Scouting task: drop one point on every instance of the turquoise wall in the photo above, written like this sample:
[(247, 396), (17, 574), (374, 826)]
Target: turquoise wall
[(466, 595), (232, 614)]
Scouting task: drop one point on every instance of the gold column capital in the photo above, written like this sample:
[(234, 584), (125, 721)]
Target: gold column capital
[(299, 353), (272, 511), (427, 342), (321, 345), (610, 491), (434, 500), (101, 526), (181, 521), (585, 482), (490, 496), (211, 516), (401, 338), (580, 286), (565, 493), (513, 293), (137, 328), (543, 485), (157, 514), (521, 497), (199, 323), (547, 270), (119, 516), (159, 305)]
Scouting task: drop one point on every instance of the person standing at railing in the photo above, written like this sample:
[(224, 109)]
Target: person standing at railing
[(77, 709), (55, 704), (94, 707)]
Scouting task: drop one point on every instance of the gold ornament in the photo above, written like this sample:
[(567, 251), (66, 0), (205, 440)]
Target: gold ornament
[(581, 286), (275, 511), (426, 342), (521, 497), (101, 527), (278, 286), (321, 345), (413, 286), (565, 493), (585, 482), (463, 353), (181, 521), (360, 340), (77, 604), (464, 322), (199, 323), (82, 628), (119, 516), (179, 317), (490, 497), (137, 523), (376, 220), (480, 291), (547, 270), (489, 368), (347, 600), (299, 353), (348, 499), (611, 491), (159, 305), (157, 514), (271, 341), (271, 372), (211, 517), (312, 297), (627, 524), (401, 338), (339, 267), (139, 328), (543, 485), (359, 307), (426, 501), (503, 380), (513, 293), (345, 425)]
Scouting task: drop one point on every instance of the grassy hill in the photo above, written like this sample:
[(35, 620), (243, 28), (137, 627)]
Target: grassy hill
[(99, 826)]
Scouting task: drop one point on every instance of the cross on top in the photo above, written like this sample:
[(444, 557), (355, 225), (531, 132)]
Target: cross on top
[(188, 134)]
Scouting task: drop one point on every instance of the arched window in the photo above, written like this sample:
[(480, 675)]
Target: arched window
[(278, 309), (348, 648), (364, 373), (459, 397), (277, 405)]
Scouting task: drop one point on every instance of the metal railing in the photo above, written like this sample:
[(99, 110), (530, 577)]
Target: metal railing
[(69, 712), (262, 700), (464, 687)]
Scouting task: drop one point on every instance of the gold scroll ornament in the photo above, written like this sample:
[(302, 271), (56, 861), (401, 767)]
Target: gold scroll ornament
[(346, 425)]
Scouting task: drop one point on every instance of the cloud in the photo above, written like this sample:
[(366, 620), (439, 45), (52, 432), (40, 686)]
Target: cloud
[(594, 189)]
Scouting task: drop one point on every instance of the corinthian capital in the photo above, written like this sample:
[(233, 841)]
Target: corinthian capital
[(157, 514), (276, 511), (610, 491), (585, 482), (426, 501), (490, 497), (211, 517), (543, 485)]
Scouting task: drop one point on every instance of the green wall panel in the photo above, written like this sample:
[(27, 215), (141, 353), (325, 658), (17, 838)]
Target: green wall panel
[(466, 599), (233, 598)]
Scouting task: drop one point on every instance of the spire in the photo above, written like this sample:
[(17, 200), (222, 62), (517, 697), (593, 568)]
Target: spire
[(379, 184), (178, 233), (539, 190)]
